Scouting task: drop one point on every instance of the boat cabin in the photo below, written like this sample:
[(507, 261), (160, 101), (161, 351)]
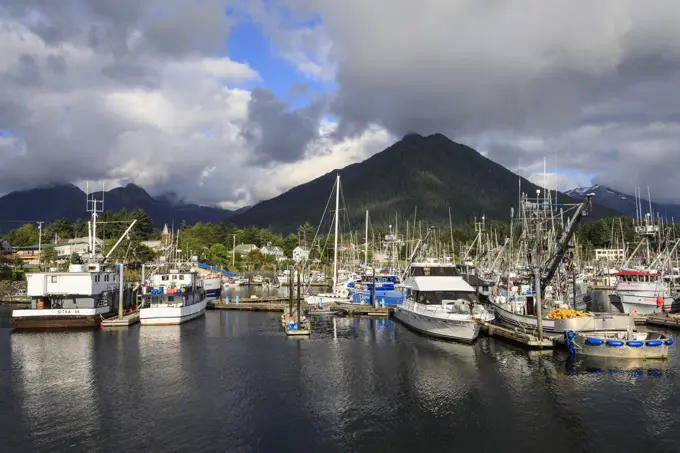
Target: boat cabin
[(83, 286), (441, 290), (174, 289), (174, 279)]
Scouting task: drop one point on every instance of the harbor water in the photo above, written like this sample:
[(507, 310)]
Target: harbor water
[(233, 382)]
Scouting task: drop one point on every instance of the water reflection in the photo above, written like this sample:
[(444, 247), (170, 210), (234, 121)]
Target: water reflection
[(55, 383)]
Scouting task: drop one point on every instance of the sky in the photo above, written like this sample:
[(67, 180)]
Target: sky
[(229, 102)]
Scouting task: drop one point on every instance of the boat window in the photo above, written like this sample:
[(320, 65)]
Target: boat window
[(436, 297), (435, 271), (54, 279), (171, 298), (106, 278), (174, 277), (181, 277), (165, 277)]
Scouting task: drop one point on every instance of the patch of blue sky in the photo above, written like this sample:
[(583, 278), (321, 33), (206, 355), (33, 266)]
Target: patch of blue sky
[(248, 45)]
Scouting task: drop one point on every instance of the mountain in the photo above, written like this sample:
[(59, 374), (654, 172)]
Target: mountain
[(432, 173), (54, 202), (625, 203)]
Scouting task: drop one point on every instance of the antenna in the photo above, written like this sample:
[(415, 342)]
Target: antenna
[(94, 207)]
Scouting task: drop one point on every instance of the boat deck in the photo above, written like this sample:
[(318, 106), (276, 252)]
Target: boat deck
[(517, 335), (127, 320)]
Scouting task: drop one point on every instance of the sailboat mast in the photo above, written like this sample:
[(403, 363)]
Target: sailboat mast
[(335, 251), (366, 244)]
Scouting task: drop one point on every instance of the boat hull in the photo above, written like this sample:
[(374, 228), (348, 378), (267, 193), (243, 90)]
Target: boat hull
[(213, 288), (58, 318), (390, 297), (623, 352), (465, 331), (524, 321), (171, 315), (642, 305)]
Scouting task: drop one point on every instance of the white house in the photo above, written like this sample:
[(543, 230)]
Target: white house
[(76, 245), (300, 254), (273, 250), (609, 254), (244, 249)]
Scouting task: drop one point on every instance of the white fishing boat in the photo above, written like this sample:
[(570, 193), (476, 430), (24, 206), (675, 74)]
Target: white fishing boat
[(173, 298), (643, 293), (441, 304), (81, 297)]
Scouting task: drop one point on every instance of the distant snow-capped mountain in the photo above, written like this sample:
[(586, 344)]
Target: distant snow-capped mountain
[(624, 203)]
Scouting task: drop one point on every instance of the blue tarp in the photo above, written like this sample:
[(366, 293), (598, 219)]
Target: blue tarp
[(216, 269)]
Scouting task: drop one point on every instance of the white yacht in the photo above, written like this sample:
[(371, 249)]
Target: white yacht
[(441, 304), (173, 298)]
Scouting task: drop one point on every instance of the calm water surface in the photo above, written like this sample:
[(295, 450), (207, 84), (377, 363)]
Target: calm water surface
[(233, 382)]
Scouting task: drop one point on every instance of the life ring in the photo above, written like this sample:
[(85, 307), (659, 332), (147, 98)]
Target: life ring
[(615, 343), (594, 341)]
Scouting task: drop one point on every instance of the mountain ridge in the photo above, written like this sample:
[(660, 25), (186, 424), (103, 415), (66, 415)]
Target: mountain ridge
[(626, 203), (431, 173), (52, 202)]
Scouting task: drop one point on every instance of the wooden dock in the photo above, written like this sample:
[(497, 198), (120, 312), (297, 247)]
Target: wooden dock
[(515, 335), (127, 320), (664, 320)]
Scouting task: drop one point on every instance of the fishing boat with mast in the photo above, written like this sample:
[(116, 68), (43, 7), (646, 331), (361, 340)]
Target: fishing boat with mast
[(527, 308), (81, 297), (175, 294)]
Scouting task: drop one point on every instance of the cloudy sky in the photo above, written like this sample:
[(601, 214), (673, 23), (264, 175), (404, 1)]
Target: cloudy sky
[(231, 101)]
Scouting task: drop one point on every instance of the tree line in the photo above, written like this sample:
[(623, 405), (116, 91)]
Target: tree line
[(212, 243)]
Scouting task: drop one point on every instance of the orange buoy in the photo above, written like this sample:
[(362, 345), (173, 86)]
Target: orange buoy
[(659, 302)]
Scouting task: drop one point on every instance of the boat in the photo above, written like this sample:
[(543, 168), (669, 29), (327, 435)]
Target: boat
[(629, 345), (81, 297), (439, 303), (173, 298), (213, 286), (385, 289), (643, 293), (341, 295)]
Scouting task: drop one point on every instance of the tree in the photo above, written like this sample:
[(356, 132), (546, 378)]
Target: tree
[(49, 255), (306, 232), (26, 234)]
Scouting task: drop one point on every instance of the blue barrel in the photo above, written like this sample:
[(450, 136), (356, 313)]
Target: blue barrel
[(635, 344), (614, 343), (594, 341), (654, 343)]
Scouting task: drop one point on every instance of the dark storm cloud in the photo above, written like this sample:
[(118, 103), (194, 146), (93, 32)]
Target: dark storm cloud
[(276, 132)]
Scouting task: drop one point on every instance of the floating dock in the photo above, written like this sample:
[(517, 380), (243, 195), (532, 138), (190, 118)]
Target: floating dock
[(249, 305), (664, 320), (127, 320), (515, 335)]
